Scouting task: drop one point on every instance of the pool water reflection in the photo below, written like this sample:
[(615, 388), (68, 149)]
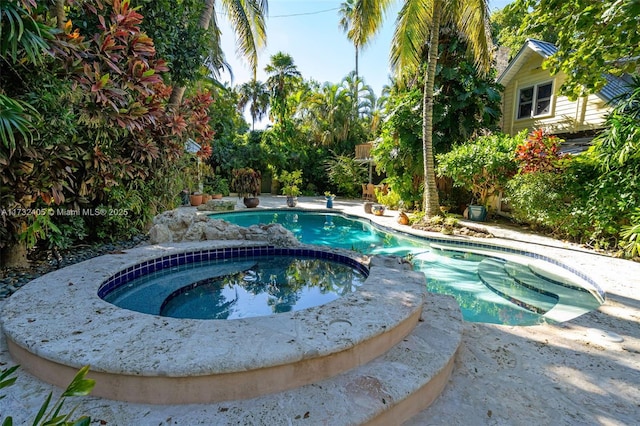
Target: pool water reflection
[(238, 287), (488, 290)]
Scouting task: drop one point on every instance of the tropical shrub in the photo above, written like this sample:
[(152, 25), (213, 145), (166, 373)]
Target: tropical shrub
[(391, 199), (482, 166), (291, 182), (539, 153), (347, 174), (540, 199), (631, 235), (398, 151), (246, 182), (102, 139)]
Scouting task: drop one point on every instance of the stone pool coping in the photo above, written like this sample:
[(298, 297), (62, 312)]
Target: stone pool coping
[(58, 320)]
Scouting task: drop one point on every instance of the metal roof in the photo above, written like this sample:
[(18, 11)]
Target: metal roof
[(542, 47), (615, 87)]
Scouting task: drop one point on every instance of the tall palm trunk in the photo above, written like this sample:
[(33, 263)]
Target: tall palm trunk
[(430, 201), (205, 19), (207, 14), (357, 61), (61, 17)]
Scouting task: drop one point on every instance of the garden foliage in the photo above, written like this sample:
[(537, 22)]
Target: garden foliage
[(592, 198), (100, 142), (53, 415), (483, 165)]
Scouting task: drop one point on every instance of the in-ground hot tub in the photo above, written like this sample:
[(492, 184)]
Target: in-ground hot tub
[(58, 323), (236, 284)]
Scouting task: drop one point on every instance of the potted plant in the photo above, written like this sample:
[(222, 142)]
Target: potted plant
[(217, 187), (290, 182), (195, 198), (328, 196), (191, 177), (246, 183)]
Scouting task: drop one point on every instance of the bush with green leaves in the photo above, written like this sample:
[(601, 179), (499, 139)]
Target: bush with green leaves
[(631, 235), (101, 136), (483, 165), (540, 199), (347, 174), (391, 199), (291, 183), (52, 415)]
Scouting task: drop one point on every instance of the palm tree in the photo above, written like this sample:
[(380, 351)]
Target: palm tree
[(256, 93), (418, 31), (330, 113), (283, 75), (360, 19), (247, 19), (415, 23), (362, 95)]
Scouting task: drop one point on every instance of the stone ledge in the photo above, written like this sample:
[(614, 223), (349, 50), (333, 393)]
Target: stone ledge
[(217, 206), (60, 319)]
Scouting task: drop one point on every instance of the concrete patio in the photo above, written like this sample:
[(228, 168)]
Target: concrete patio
[(581, 372)]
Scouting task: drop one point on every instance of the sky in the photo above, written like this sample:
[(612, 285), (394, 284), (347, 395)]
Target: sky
[(308, 31)]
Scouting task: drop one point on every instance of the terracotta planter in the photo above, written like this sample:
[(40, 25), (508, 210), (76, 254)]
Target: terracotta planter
[(205, 198), (251, 202), (403, 219), (195, 199), (216, 196)]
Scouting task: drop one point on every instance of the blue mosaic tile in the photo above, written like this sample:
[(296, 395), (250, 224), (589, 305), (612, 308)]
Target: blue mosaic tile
[(154, 266)]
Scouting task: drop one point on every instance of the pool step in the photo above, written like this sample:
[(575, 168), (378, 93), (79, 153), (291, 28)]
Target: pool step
[(573, 300), (531, 295)]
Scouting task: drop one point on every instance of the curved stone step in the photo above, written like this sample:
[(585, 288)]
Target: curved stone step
[(53, 330), (455, 253), (388, 390), (493, 274)]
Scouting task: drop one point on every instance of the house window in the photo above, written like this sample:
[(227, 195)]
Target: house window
[(535, 100)]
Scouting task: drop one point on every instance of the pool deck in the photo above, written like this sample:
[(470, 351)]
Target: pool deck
[(582, 372)]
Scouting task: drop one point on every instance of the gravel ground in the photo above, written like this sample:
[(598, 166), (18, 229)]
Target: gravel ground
[(11, 279)]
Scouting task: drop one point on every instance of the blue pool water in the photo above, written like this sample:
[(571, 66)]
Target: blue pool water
[(237, 287), (488, 289)]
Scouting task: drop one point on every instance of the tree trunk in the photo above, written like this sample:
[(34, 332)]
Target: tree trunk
[(356, 62), (431, 203), (207, 14), (61, 17), (205, 19), (176, 96), (14, 256)]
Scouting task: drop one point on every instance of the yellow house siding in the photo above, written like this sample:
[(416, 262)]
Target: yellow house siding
[(566, 116), (596, 111)]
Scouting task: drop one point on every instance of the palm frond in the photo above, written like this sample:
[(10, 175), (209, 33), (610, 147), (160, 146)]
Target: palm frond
[(21, 35), (472, 20), (248, 20), (411, 34), (15, 117)]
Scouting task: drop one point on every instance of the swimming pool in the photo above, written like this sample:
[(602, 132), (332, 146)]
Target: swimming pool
[(503, 287)]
